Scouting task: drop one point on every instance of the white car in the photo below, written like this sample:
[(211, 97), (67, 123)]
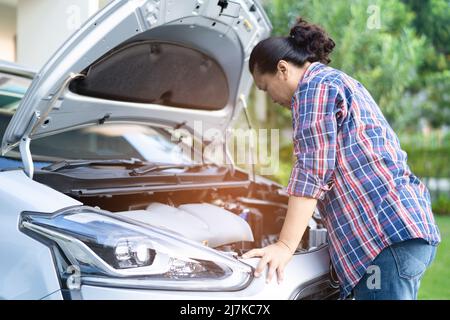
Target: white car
[(93, 206)]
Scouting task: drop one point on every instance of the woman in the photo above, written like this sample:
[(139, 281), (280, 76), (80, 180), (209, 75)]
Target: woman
[(350, 165)]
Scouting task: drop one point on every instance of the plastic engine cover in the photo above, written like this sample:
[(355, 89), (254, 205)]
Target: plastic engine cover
[(199, 222)]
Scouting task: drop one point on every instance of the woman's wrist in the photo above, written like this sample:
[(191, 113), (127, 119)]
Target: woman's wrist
[(284, 243)]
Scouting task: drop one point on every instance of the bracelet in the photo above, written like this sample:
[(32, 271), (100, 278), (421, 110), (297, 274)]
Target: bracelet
[(290, 250)]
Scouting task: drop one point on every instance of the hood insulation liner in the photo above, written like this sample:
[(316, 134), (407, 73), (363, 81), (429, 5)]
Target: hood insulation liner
[(157, 72)]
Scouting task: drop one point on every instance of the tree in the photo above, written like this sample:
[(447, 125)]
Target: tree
[(376, 44), (431, 20)]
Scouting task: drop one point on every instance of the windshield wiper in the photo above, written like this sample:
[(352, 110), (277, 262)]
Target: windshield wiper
[(159, 167), (141, 167), (66, 164)]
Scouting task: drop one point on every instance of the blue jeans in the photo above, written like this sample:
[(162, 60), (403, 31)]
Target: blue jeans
[(396, 272)]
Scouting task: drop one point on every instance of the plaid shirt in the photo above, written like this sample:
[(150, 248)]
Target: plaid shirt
[(349, 158)]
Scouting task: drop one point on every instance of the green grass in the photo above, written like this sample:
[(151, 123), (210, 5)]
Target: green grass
[(436, 281)]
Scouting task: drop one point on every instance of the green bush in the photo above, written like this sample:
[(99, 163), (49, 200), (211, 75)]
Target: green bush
[(441, 205), (429, 162), (428, 154)]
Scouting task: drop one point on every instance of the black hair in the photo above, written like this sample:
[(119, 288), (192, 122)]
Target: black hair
[(306, 42)]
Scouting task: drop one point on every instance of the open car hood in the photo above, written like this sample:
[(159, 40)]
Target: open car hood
[(159, 61)]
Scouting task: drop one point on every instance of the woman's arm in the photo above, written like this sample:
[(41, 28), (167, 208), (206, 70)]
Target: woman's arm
[(277, 255)]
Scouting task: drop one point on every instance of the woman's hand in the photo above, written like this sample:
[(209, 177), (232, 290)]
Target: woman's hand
[(275, 255), (279, 254)]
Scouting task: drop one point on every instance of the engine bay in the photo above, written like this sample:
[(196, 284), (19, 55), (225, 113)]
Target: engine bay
[(232, 220)]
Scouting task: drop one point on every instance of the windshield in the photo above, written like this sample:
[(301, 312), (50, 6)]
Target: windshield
[(109, 141), (112, 141)]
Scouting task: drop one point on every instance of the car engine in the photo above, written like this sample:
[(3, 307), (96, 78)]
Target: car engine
[(231, 226), (232, 220)]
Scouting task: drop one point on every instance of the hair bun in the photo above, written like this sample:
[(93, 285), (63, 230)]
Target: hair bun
[(299, 32), (313, 39)]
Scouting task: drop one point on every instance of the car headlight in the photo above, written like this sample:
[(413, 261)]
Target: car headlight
[(114, 251)]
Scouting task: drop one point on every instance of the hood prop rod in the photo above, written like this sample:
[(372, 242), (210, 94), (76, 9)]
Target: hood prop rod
[(251, 147)]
